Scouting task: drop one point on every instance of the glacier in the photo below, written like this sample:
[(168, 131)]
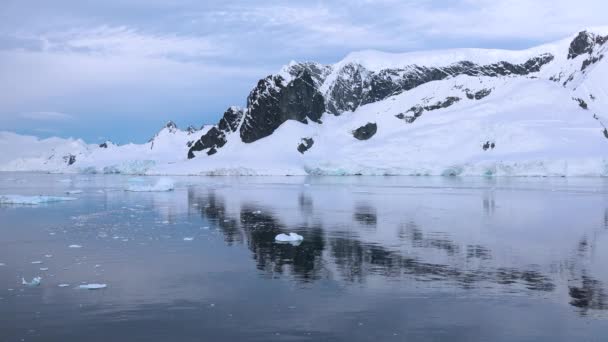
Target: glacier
[(462, 112), (32, 200)]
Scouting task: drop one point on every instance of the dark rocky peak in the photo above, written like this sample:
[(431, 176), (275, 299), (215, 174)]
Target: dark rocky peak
[(216, 137), (346, 92), (584, 43), (191, 130), (318, 72), (355, 86), (106, 144), (171, 126), (231, 120), (275, 101)]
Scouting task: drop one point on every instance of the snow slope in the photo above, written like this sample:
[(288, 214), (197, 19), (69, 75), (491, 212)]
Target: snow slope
[(537, 112)]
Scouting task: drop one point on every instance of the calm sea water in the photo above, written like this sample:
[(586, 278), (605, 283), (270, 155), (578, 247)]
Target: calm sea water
[(383, 259)]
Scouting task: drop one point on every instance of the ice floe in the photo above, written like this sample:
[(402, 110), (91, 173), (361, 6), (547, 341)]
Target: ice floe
[(163, 184), (32, 200), (291, 237), (188, 238), (35, 281), (92, 286), (74, 246)]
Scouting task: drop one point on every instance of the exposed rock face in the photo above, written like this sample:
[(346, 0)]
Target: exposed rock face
[(273, 102), (581, 103), (346, 94), (216, 136), (103, 145), (606, 133), (191, 130), (365, 132), (417, 111), (355, 86), (478, 95), (303, 92), (584, 43), (305, 145), (69, 159), (171, 126), (488, 145)]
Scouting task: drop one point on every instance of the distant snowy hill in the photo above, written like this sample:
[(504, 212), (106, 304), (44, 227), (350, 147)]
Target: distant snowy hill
[(540, 111)]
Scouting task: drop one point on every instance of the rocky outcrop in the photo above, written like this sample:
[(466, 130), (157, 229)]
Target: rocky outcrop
[(69, 159), (191, 130), (581, 103), (215, 138), (305, 145), (417, 111), (584, 43), (276, 100), (478, 95), (355, 86), (488, 145), (365, 132)]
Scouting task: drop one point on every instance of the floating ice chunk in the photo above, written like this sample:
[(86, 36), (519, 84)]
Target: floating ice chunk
[(73, 192), (92, 286), (32, 200), (44, 268), (292, 237), (48, 255), (63, 285), (35, 281), (188, 238), (163, 184), (74, 246), (257, 212), (36, 262)]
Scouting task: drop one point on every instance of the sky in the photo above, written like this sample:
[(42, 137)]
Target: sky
[(120, 69)]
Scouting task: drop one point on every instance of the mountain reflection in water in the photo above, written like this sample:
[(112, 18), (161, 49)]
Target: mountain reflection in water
[(339, 249)]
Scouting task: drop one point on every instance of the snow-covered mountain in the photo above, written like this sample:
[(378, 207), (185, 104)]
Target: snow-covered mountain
[(540, 111), (27, 153)]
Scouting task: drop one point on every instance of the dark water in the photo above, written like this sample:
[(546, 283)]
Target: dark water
[(383, 259)]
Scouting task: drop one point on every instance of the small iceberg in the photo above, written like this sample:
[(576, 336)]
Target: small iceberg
[(32, 200), (188, 238), (74, 246), (163, 184), (292, 237), (63, 285), (35, 282), (92, 286), (73, 192)]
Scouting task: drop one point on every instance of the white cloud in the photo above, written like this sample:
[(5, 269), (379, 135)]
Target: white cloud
[(46, 116), (126, 41)]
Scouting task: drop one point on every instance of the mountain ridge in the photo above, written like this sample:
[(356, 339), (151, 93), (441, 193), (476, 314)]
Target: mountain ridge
[(539, 111)]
